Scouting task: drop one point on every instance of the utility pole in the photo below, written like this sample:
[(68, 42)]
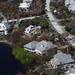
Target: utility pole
[(68, 48)]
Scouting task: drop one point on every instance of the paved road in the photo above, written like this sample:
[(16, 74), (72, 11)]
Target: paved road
[(27, 18), (16, 26), (58, 28), (52, 19), (58, 20)]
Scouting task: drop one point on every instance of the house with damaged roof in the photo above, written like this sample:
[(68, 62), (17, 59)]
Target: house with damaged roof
[(4, 27), (26, 4), (33, 30)]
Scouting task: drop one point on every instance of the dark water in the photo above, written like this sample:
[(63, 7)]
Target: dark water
[(8, 64)]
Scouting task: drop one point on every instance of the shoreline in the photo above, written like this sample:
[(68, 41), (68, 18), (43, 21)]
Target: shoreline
[(7, 58), (6, 42)]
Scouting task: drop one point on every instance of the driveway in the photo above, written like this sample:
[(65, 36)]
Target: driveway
[(55, 24)]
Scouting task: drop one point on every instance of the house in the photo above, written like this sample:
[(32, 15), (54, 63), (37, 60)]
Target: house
[(25, 4), (69, 37), (61, 58), (70, 71), (33, 30), (31, 46), (39, 47), (70, 4), (27, 1), (43, 46), (4, 28)]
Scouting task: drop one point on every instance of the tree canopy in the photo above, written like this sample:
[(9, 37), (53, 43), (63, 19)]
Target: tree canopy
[(58, 71), (73, 30), (24, 56)]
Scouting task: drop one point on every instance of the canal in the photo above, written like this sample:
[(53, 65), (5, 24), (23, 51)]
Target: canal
[(8, 64)]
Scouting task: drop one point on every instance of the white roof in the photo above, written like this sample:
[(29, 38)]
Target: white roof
[(27, 0), (2, 27), (72, 7), (70, 72), (29, 28), (73, 44), (72, 4), (24, 5)]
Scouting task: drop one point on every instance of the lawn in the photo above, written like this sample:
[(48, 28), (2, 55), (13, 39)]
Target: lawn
[(24, 56)]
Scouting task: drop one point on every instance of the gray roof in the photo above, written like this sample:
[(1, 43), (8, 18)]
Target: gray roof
[(31, 45), (7, 25), (44, 45), (62, 58)]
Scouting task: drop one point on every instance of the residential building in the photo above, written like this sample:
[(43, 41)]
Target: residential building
[(31, 46), (70, 4), (39, 47), (70, 73), (25, 4), (4, 28), (61, 58), (33, 30), (43, 46), (71, 70), (27, 1), (69, 37)]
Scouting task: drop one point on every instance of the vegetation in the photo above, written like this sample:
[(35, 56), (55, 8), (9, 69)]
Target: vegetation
[(70, 29), (16, 37), (42, 21), (62, 10), (58, 71), (9, 9), (24, 56)]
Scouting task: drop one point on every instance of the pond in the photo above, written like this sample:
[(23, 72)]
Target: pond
[(8, 64)]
